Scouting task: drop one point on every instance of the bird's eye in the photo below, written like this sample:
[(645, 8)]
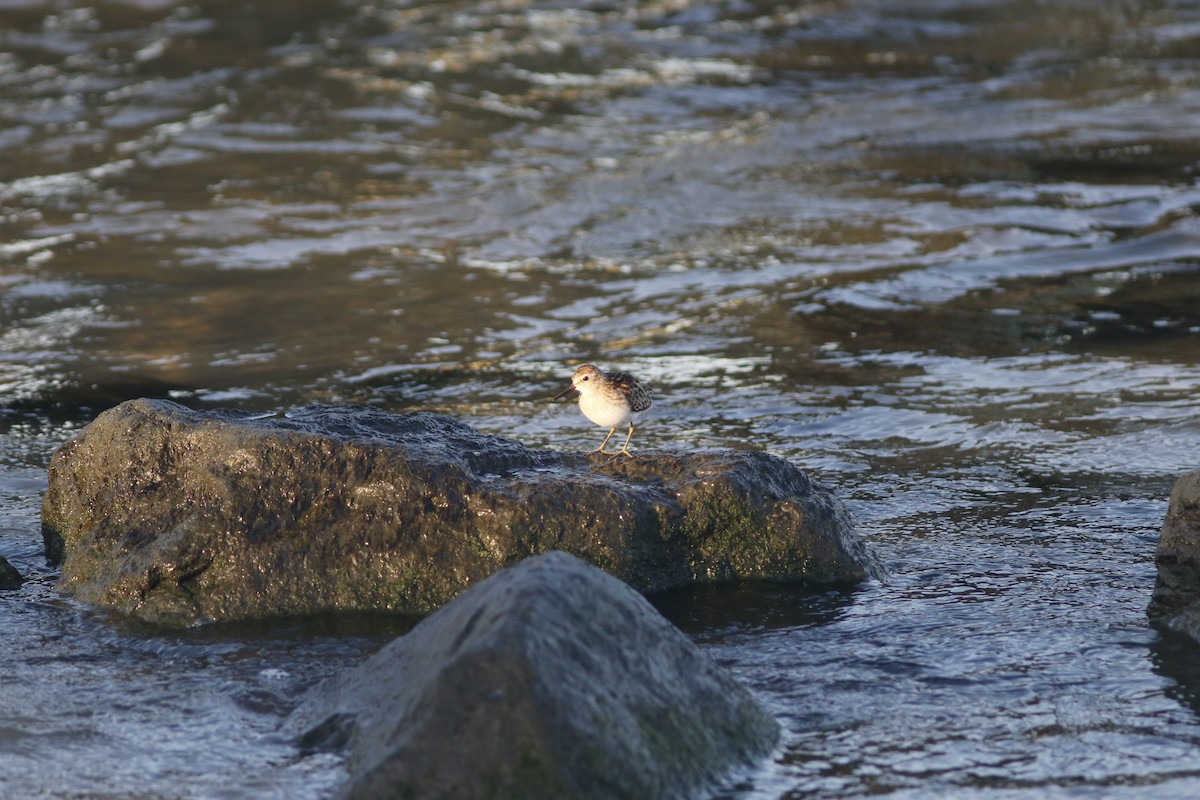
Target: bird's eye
[(585, 377)]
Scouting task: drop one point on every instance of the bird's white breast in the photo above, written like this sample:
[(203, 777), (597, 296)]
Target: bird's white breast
[(609, 412)]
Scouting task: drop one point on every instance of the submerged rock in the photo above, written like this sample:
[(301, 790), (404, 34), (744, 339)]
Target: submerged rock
[(10, 578), (548, 680), (1176, 599), (179, 516)]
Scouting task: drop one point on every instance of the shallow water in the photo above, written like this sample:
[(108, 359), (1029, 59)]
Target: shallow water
[(943, 255)]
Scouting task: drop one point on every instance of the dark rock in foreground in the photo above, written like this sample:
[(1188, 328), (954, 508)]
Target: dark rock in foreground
[(179, 516), (10, 578), (1176, 600), (548, 680)]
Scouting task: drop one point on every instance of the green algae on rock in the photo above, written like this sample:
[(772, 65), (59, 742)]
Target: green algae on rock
[(179, 516)]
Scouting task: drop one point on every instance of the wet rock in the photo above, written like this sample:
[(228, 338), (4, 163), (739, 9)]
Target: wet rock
[(10, 578), (550, 679), (179, 516), (1176, 600)]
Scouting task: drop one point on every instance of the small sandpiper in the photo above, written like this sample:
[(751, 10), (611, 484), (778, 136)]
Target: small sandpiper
[(609, 398)]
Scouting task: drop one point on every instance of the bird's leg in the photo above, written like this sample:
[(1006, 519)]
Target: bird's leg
[(625, 447), (601, 449)]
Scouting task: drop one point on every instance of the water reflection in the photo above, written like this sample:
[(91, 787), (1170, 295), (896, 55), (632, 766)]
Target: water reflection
[(1174, 656), (720, 613), (357, 150)]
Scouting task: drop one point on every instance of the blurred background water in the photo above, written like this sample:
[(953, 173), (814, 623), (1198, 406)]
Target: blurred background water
[(942, 254)]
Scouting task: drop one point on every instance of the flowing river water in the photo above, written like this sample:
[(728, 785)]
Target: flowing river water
[(942, 254)]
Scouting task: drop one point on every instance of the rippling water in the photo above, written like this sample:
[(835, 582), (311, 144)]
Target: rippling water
[(942, 254)]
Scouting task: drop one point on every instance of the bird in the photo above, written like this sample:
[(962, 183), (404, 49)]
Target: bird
[(609, 398)]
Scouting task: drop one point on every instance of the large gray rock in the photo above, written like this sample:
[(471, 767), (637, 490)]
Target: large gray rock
[(179, 516), (548, 680), (1176, 599)]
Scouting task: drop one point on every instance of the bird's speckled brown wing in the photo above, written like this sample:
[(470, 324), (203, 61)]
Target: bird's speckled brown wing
[(637, 393)]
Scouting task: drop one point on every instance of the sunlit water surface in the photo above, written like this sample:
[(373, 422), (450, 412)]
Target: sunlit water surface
[(943, 255)]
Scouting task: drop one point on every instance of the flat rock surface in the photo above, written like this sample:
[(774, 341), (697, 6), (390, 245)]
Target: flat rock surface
[(1176, 600), (179, 516), (548, 680)]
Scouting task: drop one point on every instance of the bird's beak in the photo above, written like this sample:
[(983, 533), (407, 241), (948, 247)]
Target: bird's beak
[(570, 388)]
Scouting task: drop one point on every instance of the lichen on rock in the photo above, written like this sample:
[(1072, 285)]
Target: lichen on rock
[(180, 516)]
